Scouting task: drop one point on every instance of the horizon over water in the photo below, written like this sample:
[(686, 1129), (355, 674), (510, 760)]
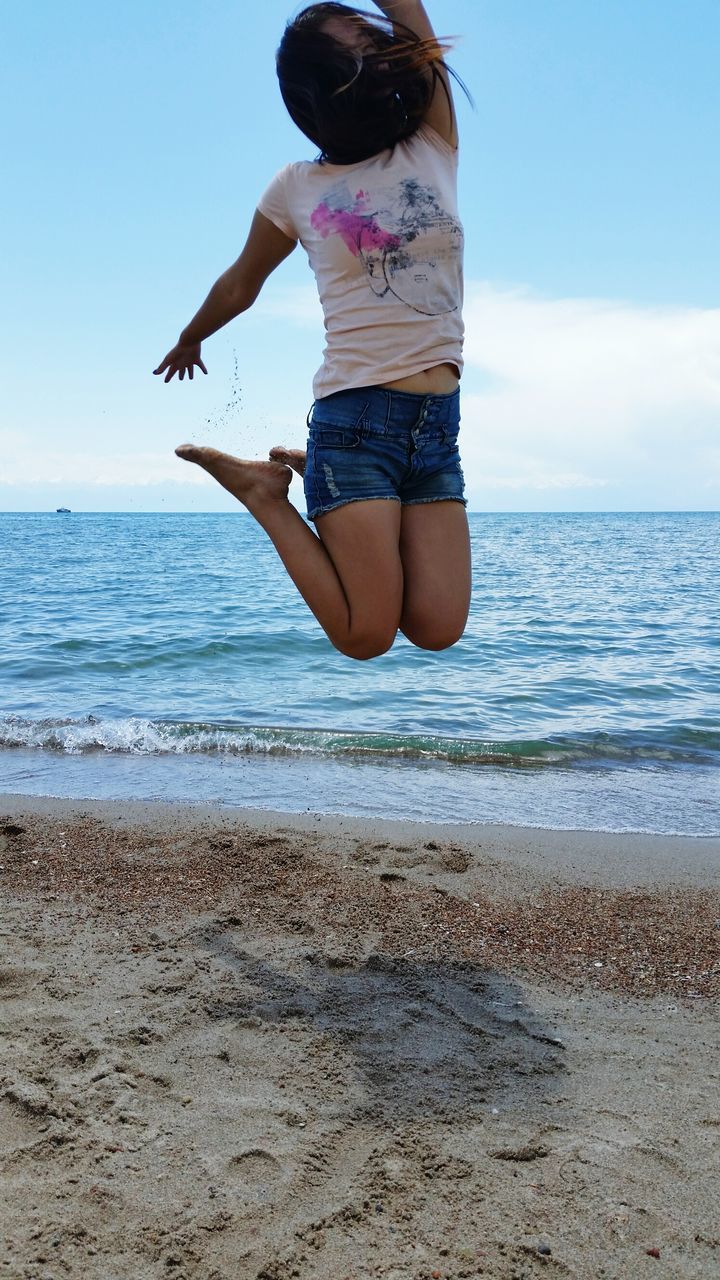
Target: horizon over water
[(167, 656)]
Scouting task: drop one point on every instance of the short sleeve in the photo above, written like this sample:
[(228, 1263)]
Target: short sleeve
[(273, 203)]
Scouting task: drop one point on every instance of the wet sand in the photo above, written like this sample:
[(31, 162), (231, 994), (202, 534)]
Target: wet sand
[(259, 1046)]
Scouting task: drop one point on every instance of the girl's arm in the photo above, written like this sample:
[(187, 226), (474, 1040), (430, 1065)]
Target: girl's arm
[(235, 291), (440, 115)]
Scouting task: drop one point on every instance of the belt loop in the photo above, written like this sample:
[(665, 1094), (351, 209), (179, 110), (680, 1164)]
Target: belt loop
[(388, 410), (307, 420)]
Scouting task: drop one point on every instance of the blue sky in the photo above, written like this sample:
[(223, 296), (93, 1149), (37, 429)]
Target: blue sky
[(137, 139)]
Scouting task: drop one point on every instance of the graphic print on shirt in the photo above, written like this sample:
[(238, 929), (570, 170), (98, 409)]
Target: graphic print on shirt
[(405, 247)]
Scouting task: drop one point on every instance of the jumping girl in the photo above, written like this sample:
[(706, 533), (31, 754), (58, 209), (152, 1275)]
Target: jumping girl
[(377, 216)]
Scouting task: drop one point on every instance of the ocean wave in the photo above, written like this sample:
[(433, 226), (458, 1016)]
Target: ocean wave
[(138, 736)]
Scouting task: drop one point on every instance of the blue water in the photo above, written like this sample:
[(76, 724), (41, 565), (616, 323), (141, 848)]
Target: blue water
[(169, 657)]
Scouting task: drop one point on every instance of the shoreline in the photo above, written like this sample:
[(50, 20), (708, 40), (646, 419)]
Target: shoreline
[(270, 1045), (681, 803)]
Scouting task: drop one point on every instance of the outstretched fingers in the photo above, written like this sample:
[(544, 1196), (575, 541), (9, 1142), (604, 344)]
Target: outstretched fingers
[(181, 360)]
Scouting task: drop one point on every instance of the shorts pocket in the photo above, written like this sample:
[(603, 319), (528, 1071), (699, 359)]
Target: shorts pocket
[(325, 436), (339, 426)]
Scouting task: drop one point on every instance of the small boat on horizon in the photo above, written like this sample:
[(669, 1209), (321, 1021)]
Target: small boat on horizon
[(62, 511)]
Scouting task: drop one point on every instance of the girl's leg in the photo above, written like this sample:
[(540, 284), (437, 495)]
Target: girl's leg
[(435, 554), (350, 576)]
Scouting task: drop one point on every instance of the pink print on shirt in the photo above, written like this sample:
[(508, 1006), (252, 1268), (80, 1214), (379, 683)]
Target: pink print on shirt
[(411, 249), (359, 230)]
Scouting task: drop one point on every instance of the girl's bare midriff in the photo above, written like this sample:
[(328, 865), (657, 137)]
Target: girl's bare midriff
[(442, 379)]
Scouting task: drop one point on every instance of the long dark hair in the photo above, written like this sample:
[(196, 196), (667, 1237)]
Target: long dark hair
[(351, 105)]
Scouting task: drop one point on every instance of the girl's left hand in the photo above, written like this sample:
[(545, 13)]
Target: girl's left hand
[(181, 360)]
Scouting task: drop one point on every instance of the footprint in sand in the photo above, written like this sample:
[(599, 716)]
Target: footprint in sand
[(257, 1166), (20, 1122), (18, 982), (454, 859)]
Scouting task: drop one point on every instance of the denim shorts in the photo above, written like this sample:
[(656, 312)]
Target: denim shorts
[(374, 443)]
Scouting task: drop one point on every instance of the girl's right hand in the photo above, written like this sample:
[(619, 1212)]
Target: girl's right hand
[(181, 360)]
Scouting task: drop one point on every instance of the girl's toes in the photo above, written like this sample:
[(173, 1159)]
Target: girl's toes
[(187, 451), (295, 458)]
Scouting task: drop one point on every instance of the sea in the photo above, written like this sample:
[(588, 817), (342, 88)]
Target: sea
[(168, 657)]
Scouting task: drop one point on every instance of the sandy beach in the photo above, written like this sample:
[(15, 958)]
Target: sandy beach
[(255, 1046)]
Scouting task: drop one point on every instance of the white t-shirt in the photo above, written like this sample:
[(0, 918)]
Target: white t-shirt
[(385, 243)]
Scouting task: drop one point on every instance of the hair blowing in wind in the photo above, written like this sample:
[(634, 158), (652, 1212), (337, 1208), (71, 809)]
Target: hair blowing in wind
[(355, 100)]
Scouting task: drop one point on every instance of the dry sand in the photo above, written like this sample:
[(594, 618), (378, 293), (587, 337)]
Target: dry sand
[(243, 1046)]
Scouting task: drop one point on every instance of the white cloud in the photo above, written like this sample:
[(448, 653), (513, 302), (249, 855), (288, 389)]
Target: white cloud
[(588, 391), (22, 466), (538, 480), (562, 396)]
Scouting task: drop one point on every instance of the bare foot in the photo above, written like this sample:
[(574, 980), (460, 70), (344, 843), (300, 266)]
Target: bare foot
[(295, 458), (250, 482)]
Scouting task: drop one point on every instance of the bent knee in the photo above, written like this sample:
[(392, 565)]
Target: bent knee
[(436, 645), (433, 638), (371, 644)]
